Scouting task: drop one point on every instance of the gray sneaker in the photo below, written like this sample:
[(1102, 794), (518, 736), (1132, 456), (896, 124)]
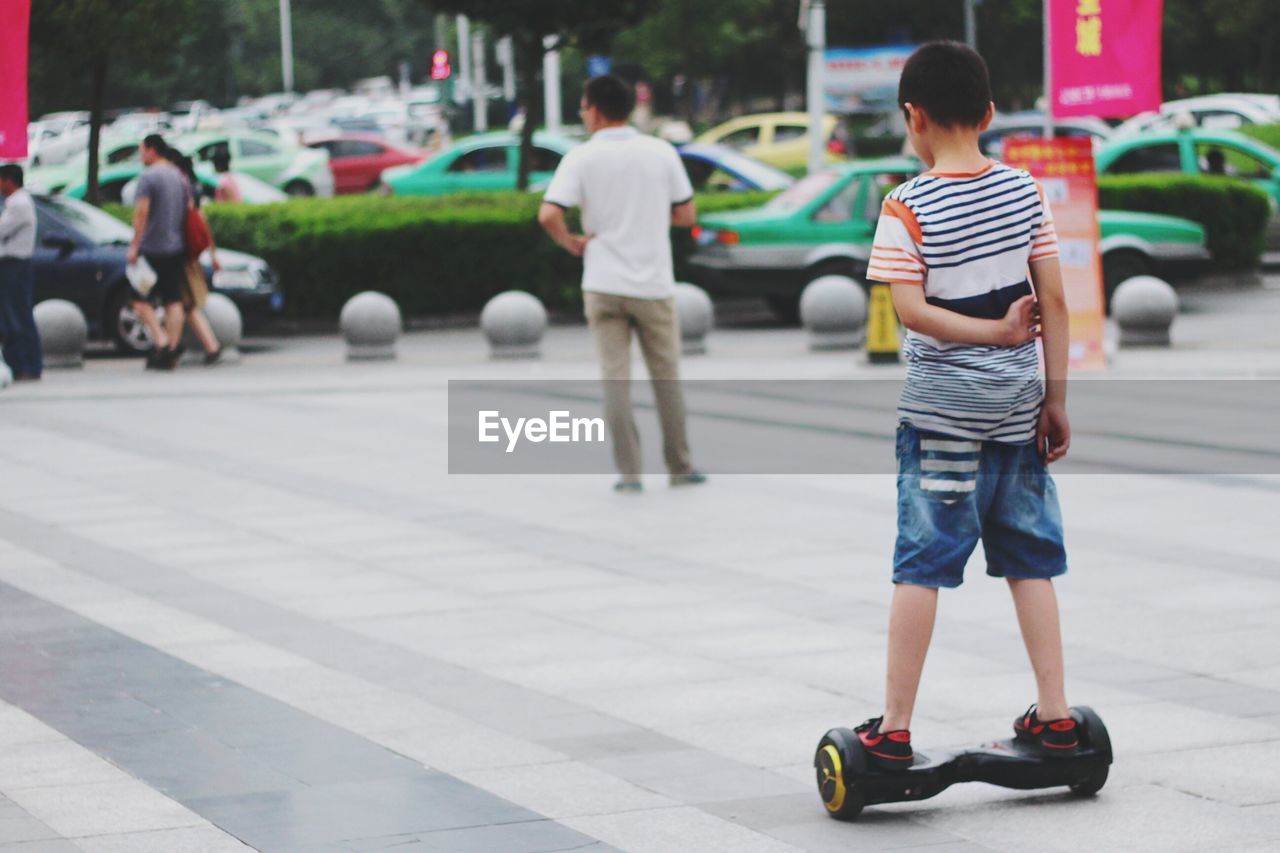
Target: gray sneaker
[(693, 478), (628, 487)]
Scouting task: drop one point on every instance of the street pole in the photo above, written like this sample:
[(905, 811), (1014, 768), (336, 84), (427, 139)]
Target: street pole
[(971, 23), (1048, 75), (551, 83), (506, 54), (816, 33), (286, 45), (479, 93), (462, 88)]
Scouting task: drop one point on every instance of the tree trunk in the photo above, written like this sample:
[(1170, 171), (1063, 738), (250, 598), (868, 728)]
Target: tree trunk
[(528, 61), (97, 96)]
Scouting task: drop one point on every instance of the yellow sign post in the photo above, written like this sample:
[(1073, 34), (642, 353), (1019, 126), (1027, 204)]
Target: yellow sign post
[(882, 326)]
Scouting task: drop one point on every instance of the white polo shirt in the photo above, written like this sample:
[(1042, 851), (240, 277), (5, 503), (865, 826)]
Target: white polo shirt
[(626, 184)]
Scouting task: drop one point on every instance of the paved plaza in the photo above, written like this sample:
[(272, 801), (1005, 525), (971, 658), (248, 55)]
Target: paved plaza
[(248, 608)]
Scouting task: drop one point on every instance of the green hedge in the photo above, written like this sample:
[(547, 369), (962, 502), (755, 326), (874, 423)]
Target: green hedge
[(1234, 213), (432, 255)]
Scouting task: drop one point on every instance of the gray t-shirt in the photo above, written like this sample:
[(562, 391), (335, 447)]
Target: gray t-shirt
[(166, 189)]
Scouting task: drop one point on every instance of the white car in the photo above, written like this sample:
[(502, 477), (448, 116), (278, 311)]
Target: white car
[(1213, 112)]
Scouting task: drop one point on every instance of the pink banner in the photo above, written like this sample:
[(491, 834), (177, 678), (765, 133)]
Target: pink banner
[(15, 17), (1106, 57)]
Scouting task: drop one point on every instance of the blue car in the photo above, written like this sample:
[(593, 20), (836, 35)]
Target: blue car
[(714, 167), (80, 256)]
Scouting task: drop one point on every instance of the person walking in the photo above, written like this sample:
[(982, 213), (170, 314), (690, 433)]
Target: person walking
[(17, 242), (159, 220), (195, 288), (228, 189), (631, 190)]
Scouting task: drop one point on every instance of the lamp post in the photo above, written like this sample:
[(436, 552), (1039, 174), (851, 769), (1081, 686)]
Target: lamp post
[(286, 45), (816, 35)]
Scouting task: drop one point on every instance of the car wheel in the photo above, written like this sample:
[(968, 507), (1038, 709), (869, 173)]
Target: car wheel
[(299, 189), (1119, 265), (786, 307), (128, 332)]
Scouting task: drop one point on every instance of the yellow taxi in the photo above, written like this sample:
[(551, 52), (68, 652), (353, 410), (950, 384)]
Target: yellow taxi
[(779, 139)]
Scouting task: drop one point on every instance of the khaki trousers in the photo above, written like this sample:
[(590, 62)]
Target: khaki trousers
[(612, 319)]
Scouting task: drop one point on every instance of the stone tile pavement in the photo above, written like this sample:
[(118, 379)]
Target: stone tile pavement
[(248, 608)]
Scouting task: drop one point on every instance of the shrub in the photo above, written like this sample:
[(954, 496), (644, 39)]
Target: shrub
[(1234, 213)]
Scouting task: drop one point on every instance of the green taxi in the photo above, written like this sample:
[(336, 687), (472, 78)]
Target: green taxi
[(481, 163), (824, 225)]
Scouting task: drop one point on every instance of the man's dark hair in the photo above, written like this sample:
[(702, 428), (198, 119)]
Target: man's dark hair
[(221, 160), (611, 96), (11, 172), (156, 142), (949, 81)]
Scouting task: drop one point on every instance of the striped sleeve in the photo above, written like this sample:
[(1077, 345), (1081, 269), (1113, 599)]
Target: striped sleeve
[(895, 253), (1044, 239)]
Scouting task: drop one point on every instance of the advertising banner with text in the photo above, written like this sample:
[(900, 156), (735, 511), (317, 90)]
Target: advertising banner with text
[(15, 18), (1106, 57)]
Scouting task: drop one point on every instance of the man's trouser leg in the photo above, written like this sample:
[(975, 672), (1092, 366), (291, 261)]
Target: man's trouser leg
[(17, 322), (611, 328), (659, 332)]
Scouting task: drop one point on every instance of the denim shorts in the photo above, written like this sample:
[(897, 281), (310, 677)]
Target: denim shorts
[(954, 492)]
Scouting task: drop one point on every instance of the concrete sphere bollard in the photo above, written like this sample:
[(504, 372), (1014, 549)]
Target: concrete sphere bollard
[(1144, 308), (513, 322), (696, 315), (63, 333), (834, 310), (228, 328), (370, 324)]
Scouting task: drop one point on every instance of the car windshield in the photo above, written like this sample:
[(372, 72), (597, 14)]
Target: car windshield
[(805, 191), (761, 174), (102, 228)]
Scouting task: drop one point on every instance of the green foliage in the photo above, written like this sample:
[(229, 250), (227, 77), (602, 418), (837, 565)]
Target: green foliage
[(1268, 133), (1234, 213), (432, 255)]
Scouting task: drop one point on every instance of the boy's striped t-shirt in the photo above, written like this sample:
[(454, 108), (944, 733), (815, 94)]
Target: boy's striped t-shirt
[(967, 239)]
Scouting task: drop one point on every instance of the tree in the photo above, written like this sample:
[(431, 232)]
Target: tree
[(589, 25), (88, 36)]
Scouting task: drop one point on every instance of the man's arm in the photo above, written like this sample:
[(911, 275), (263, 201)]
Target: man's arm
[(141, 211), (1016, 327), (551, 218), (684, 215), (1053, 434)]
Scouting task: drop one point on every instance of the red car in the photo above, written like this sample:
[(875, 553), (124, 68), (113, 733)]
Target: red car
[(357, 159)]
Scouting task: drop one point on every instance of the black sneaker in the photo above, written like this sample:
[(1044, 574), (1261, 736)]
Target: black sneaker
[(1055, 737), (888, 750)]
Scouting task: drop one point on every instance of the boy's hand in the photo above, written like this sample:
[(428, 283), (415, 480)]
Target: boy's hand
[(1021, 322), (1053, 432)]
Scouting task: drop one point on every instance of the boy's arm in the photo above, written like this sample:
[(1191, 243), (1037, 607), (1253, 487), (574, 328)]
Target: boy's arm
[(1053, 434), (1016, 327)]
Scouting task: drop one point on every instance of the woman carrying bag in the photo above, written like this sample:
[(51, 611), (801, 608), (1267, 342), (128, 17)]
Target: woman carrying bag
[(198, 238)]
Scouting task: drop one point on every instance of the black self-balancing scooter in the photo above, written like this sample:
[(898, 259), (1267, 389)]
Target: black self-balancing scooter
[(847, 780)]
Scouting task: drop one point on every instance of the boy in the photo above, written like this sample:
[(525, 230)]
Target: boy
[(976, 428)]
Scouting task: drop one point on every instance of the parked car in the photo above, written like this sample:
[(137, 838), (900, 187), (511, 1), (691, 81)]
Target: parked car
[(80, 256), (720, 168), (825, 223), (1211, 112), (1032, 123), (1200, 152), (779, 139), (358, 160), (297, 170), (480, 163), (252, 190)]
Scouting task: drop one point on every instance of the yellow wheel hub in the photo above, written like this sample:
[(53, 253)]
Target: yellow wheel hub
[(831, 778)]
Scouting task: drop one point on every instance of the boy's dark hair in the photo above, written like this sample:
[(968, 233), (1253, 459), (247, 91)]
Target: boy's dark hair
[(612, 97), (949, 81), (156, 143), (11, 172)]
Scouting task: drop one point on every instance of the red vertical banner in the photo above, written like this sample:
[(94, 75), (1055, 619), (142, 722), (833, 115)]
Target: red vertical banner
[(1064, 168), (1105, 57), (15, 21)]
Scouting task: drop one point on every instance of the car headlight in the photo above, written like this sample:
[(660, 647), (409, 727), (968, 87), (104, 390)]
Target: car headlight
[(241, 279)]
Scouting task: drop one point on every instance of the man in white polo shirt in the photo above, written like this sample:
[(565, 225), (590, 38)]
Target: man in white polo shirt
[(631, 189)]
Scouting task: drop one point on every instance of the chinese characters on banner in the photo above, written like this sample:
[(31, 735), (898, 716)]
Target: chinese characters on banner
[(15, 15), (1064, 168), (1106, 57)]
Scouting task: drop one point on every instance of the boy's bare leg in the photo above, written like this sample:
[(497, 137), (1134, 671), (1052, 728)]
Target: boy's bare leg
[(910, 629), (1037, 607)]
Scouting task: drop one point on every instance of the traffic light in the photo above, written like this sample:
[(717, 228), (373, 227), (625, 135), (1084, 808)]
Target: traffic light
[(440, 68)]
